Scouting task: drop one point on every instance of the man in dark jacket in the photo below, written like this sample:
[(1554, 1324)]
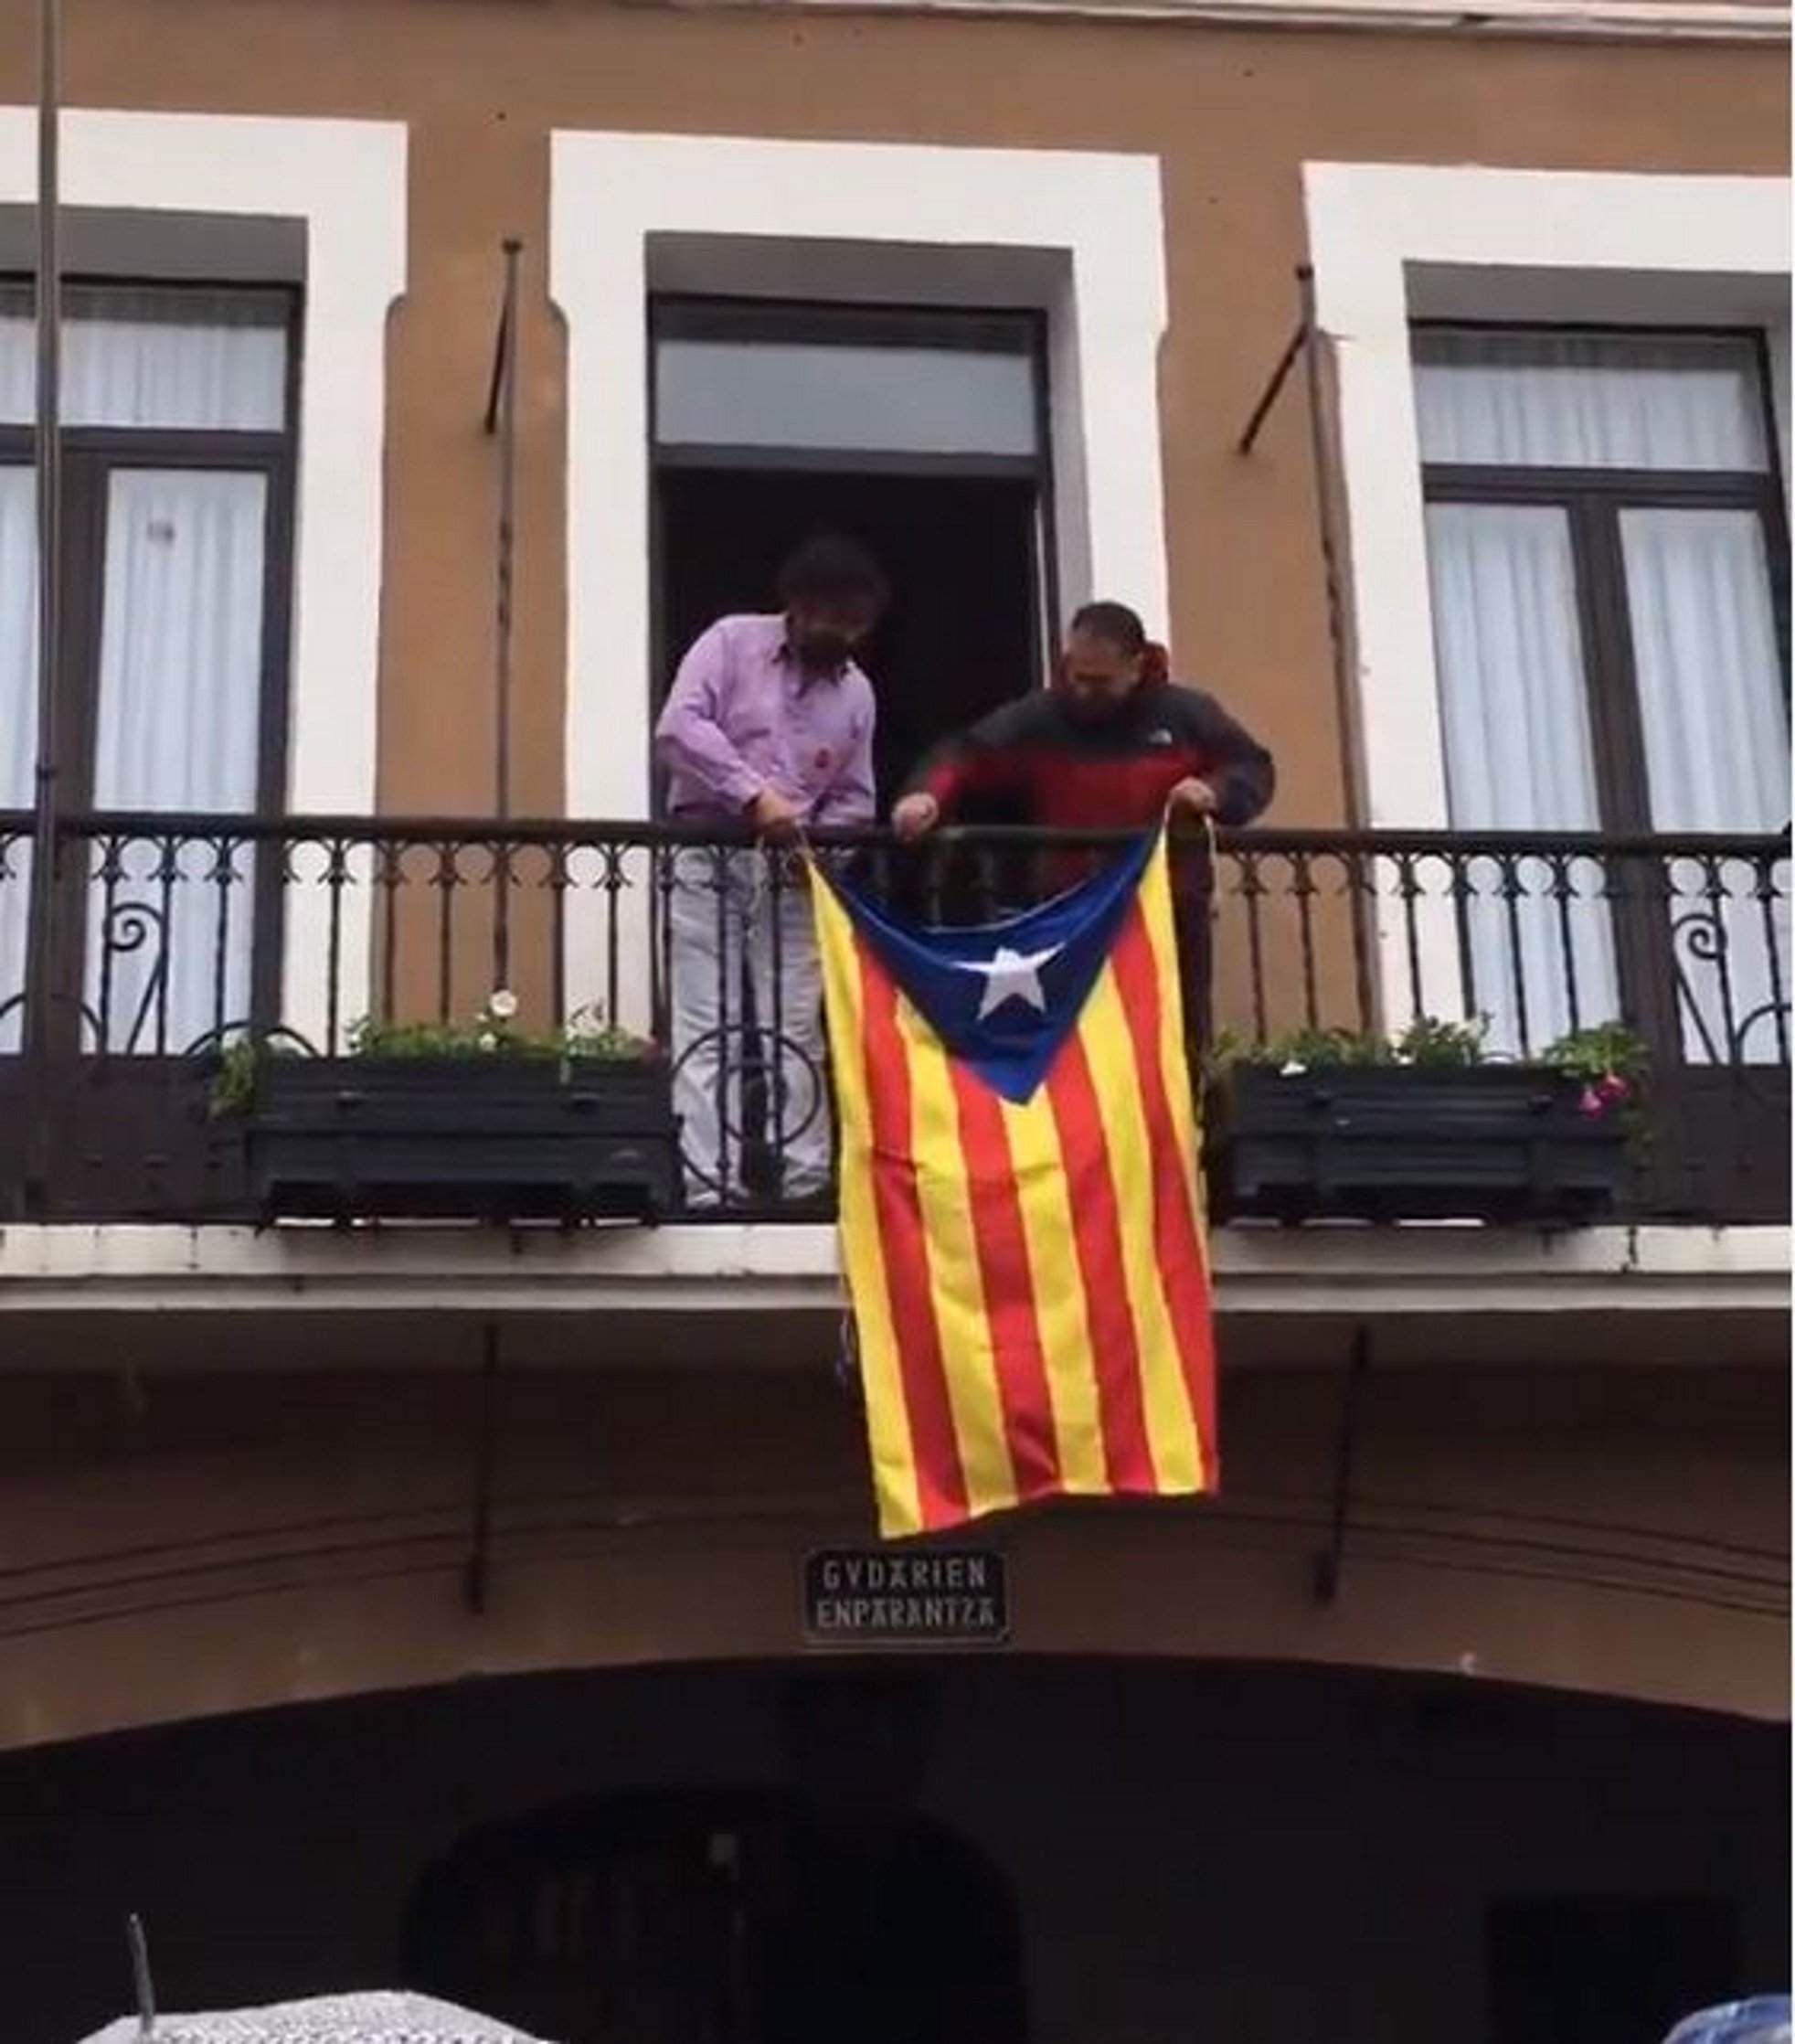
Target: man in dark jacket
[(1113, 745), (1110, 746)]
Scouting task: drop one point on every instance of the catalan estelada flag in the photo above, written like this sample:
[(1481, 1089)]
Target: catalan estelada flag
[(1021, 1217)]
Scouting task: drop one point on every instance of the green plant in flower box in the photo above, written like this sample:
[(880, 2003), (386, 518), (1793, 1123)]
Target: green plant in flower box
[(1611, 1059), (494, 1032)]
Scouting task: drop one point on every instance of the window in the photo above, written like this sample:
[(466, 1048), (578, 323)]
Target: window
[(1606, 549), (816, 380), (921, 430), (177, 488)]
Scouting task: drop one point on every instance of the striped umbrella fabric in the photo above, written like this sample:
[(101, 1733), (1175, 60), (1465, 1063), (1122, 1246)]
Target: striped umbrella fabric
[(384, 2017), (1762, 2019)]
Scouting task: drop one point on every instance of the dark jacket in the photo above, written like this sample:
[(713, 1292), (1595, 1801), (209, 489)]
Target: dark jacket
[(1049, 770), (1061, 774)]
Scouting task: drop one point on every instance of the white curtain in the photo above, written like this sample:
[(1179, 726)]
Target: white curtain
[(1716, 744), (197, 361), (1557, 400), (1514, 714), (19, 726), (1513, 696), (179, 694)]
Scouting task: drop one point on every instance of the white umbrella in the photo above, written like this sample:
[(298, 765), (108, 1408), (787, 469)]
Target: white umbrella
[(370, 2018), (1764, 2019)]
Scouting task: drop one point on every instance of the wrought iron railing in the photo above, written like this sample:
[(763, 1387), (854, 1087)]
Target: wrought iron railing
[(173, 937)]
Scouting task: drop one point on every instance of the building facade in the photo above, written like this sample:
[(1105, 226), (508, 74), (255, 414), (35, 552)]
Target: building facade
[(429, 1603)]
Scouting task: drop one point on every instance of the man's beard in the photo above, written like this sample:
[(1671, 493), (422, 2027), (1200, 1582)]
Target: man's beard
[(822, 653)]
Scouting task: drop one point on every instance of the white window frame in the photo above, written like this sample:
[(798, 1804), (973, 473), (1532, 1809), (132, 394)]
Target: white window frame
[(1391, 243), (343, 182), (1079, 234)]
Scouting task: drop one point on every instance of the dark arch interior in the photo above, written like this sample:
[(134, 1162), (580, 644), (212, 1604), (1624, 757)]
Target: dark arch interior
[(962, 634), (697, 1918), (749, 1853)]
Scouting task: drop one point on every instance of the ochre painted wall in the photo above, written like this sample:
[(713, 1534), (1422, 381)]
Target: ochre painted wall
[(1232, 114), (185, 1544), (214, 1466)]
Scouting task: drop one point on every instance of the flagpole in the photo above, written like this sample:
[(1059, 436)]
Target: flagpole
[(49, 463)]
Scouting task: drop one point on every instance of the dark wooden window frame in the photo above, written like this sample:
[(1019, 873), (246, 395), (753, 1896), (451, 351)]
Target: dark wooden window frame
[(1593, 500), (92, 456)]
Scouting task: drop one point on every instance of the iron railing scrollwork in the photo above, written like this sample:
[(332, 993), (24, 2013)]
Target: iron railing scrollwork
[(180, 933)]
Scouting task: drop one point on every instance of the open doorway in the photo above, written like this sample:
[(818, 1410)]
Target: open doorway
[(724, 1917), (961, 635), (921, 435)]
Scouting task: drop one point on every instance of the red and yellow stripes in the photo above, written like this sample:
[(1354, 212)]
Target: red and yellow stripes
[(1029, 1283)]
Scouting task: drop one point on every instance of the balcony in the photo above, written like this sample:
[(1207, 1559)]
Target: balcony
[(172, 939)]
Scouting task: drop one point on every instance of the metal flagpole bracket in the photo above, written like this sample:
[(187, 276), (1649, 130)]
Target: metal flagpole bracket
[(474, 1572), (1305, 346), (1331, 1560), (502, 420), (42, 949), (1286, 361)]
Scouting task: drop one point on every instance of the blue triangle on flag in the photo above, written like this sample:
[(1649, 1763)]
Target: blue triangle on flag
[(1002, 996)]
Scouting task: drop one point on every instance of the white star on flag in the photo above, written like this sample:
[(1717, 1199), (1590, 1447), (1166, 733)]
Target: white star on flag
[(1010, 975)]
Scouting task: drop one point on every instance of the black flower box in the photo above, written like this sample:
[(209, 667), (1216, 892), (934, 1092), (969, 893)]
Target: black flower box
[(497, 1139), (1498, 1143)]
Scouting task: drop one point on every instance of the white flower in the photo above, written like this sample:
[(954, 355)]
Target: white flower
[(1291, 1071), (488, 1041), (503, 1005)]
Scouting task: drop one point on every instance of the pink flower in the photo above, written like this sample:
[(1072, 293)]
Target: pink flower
[(1591, 1103), (1613, 1087)]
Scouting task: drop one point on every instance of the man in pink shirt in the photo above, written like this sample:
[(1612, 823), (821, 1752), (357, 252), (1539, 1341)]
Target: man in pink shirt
[(769, 722)]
